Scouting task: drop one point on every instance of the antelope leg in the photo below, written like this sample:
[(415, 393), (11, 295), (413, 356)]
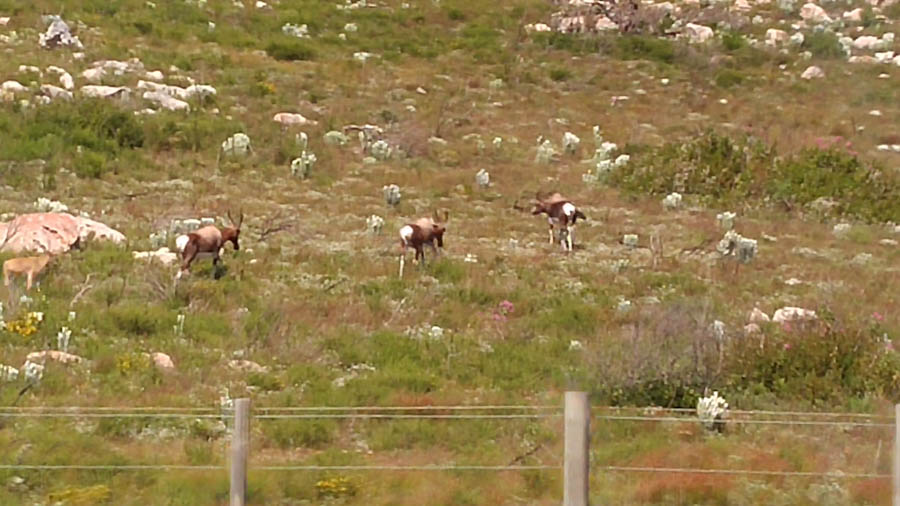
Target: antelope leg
[(402, 261), (569, 238)]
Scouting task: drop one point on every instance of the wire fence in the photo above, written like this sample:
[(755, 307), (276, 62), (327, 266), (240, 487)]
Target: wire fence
[(449, 413)]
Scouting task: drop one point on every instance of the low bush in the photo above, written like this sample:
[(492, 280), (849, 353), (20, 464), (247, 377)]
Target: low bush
[(725, 170)]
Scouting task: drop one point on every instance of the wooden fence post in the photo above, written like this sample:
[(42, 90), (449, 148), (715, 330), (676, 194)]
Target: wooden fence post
[(896, 473), (576, 470), (240, 447)]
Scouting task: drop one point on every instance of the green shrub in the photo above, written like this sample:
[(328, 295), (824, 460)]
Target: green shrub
[(305, 433), (732, 41), (560, 74), (823, 364), (823, 45), (726, 78), (643, 47), (729, 170), (290, 50), (870, 193), (709, 165)]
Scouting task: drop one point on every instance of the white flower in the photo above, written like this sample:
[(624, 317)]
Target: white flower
[(570, 142), (381, 150), (299, 31), (237, 144), (711, 408), (497, 142), (483, 178), (33, 372), (470, 259), (391, 194), (575, 345), (726, 220), (672, 201), (436, 332), (8, 373), (302, 167), (178, 328), (62, 339), (545, 152), (374, 224)]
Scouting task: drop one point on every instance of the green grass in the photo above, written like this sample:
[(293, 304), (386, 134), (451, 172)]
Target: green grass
[(319, 306)]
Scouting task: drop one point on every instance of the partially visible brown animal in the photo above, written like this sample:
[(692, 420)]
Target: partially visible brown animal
[(30, 267), (419, 233), (208, 242), (560, 211)]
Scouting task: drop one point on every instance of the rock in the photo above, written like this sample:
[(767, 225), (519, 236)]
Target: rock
[(812, 13), (155, 75), (59, 356), (99, 91), (53, 232), (789, 314), (291, 119), (862, 59), (162, 361), (758, 316), (841, 229), (861, 259), (812, 72), (698, 34), (163, 255), (868, 42), (55, 92), (246, 366), (13, 87), (854, 16), (775, 36), (94, 75), (165, 101), (199, 91), (58, 34), (335, 138)]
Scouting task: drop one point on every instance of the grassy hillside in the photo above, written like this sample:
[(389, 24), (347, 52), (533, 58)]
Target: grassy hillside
[(319, 308)]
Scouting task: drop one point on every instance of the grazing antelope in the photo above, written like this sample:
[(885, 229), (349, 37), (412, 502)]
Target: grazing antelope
[(30, 267), (419, 233), (207, 242), (560, 211)]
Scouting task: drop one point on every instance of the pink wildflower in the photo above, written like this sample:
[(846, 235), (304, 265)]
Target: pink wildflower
[(878, 316), (787, 346)]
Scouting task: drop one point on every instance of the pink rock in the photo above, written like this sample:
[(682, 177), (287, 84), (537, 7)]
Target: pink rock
[(52, 233), (162, 360), (290, 118), (814, 13), (59, 356), (789, 314)]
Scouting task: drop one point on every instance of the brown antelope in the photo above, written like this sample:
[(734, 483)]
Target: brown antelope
[(30, 267), (419, 233), (560, 211), (208, 242)]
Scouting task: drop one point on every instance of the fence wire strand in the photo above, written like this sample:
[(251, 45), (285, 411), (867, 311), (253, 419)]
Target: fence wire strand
[(740, 421), (688, 470), (136, 467)]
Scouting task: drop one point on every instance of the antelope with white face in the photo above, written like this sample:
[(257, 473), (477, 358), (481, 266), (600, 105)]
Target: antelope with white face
[(560, 212), (419, 233), (207, 242)]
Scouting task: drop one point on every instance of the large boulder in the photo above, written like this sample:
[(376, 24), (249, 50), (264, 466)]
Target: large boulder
[(52, 233)]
